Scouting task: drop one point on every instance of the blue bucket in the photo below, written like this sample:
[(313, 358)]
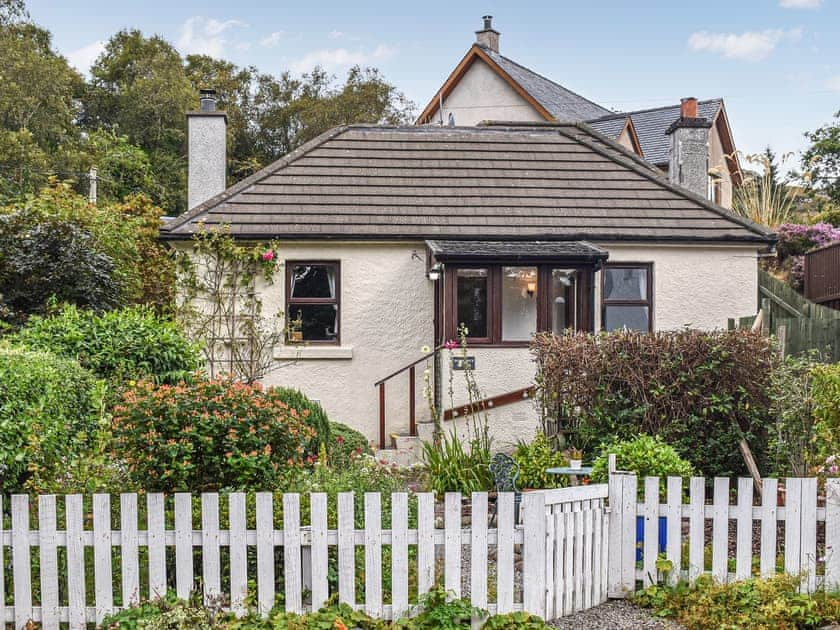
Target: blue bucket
[(640, 535)]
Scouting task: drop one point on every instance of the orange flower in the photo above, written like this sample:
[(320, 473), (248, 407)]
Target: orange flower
[(339, 625)]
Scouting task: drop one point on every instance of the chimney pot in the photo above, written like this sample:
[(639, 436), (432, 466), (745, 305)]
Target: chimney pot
[(207, 99), (688, 107), (488, 37)]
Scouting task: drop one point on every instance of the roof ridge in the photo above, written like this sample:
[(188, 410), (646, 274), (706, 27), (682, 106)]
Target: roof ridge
[(661, 107), (542, 76)]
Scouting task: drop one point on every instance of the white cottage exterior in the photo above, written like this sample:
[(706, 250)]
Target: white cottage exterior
[(394, 237)]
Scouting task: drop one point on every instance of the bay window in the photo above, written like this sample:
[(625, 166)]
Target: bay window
[(503, 304)]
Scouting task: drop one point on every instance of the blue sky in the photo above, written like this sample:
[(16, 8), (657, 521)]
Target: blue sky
[(776, 62)]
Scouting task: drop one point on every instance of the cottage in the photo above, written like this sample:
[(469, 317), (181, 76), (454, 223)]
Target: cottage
[(393, 237)]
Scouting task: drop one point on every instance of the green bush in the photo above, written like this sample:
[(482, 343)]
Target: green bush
[(128, 343), (454, 467), (700, 391), (752, 604), (533, 459), (345, 445), (311, 412), (646, 456), (49, 410), (208, 435), (826, 400)]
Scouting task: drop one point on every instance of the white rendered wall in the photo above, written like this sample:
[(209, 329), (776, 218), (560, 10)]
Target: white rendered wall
[(481, 94)]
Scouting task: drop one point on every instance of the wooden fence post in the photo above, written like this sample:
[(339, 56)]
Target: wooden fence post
[(622, 535), (533, 569)]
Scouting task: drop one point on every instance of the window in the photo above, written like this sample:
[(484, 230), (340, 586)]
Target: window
[(519, 303), (473, 289), (507, 304), (312, 301), (626, 297)]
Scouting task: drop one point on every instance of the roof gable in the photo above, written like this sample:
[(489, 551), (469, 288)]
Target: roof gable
[(551, 100), (521, 182)]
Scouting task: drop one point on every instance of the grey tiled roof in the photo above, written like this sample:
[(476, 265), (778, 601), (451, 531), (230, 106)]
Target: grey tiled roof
[(521, 182), (516, 250), (610, 126), (563, 104), (651, 124)]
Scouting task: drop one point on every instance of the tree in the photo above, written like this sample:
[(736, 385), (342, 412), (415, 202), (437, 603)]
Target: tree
[(37, 108), (821, 161), (139, 89), (763, 197), (12, 11)]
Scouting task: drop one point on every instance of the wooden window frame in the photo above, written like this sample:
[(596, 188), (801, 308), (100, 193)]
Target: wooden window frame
[(494, 299), (648, 301), (290, 301)]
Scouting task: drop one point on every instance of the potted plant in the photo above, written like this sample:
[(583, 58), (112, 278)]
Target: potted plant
[(296, 328), (575, 457)]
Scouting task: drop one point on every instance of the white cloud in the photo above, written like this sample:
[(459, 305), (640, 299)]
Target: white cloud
[(833, 83), (204, 36), (748, 46), (338, 58), (335, 34), (273, 39), (800, 4), (83, 58)]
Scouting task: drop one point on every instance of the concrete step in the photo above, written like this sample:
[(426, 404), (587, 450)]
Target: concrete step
[(405, 450)]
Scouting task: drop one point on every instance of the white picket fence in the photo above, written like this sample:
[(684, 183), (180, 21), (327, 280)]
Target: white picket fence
[(168, 545), (742, 530)]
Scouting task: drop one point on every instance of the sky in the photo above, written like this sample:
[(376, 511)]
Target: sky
[(775, 62)]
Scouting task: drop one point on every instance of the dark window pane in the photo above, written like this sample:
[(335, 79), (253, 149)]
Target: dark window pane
[(630, 317), (472, 301), (312, 281), (625, 284), (563, 311), (313, 322)]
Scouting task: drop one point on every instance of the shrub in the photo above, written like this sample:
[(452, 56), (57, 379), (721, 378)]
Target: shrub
[(700, 391), (792, 445), (752, 604), (208, 435), (647, 457), (48, 414), (826, 400), (132, 342), (533, 459), (311, 412), (42, 260), (456, 468), (345, 445)]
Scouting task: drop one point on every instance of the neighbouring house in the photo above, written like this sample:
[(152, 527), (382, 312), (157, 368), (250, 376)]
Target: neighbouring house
[(392, 237), (486, 85)]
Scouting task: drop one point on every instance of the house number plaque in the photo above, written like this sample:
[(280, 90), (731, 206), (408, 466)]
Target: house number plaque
[(463, 363)]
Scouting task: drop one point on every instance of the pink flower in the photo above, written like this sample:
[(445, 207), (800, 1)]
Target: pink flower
[(268, 256), (451, 344), (833, 470)]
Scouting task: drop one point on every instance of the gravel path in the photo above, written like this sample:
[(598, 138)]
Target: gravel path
[(617, 614)]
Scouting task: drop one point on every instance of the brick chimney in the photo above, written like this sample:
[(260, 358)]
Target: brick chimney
[(488, 37), (688, 154), (206, 151)]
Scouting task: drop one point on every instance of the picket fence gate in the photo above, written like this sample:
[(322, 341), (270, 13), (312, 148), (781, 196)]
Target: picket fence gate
[(808, 544), (566, 524)]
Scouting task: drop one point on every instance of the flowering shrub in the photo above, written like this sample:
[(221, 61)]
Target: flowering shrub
[(795, 240), (208, 435)]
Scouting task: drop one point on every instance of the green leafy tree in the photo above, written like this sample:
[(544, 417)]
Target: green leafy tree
[(821, 161)]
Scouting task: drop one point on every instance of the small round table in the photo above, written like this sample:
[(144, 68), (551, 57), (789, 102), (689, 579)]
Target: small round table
[(571, 473)]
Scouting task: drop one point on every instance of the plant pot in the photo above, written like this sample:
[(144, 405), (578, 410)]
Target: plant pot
[(296, 335), (575, 463), (640, 535)]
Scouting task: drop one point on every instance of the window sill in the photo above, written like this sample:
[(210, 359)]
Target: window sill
[(303, 352)]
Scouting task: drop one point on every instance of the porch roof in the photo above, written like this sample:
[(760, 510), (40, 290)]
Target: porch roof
[(573, 251)]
